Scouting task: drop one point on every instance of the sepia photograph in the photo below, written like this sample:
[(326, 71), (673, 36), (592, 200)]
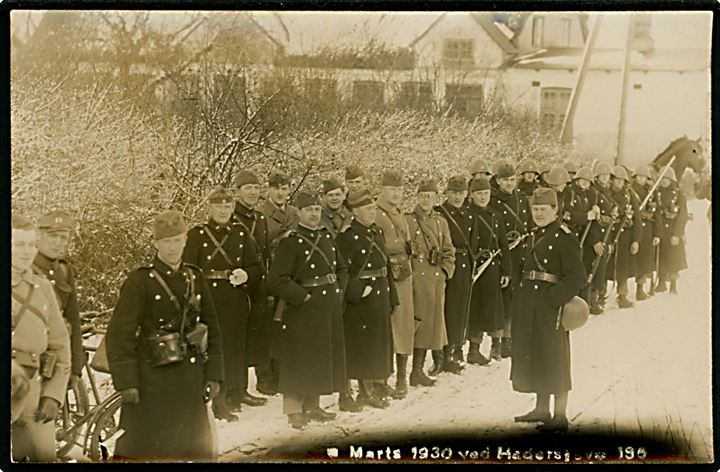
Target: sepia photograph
[(285, 236)]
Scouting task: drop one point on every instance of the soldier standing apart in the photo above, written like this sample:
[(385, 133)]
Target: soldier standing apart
[(281, 218), (622, 262), (487, 310), (308, 276), (433, 263), (165, 353), (254, 223), (397, 244), (226, 254), (673, 205), (370, 297), (552, 274), (457, 289), (651, 230), (513, 206), (335, 216), (56, 230), (528, 172), (608, 211), (40, 351)]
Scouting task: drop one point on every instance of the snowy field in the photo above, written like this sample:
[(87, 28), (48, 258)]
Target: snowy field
[(644, 372)]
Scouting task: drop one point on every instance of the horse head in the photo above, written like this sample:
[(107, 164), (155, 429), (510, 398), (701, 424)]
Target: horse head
[(688, 153)]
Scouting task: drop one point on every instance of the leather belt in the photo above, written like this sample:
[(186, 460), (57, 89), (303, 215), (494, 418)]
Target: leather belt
[(217, 274), (26, 359), (541, 276), (369, 274), (320, 281)]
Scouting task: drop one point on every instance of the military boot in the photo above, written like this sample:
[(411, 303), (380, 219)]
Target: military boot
[(506, 347), (640, 293), (367, 396), (673, 287), (401, 386), (661, 286), (475, 356), (449, 363), (623, 302), (383, 390), (495, 349), (221, 411), (438, 361), (458, 355), (417, 376), (347, 403)]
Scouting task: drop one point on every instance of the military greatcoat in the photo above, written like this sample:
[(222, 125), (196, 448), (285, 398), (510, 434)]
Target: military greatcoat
[(171, 421), (673, 206), (541, 347), (651, 224), (335, 220), (621, 265)]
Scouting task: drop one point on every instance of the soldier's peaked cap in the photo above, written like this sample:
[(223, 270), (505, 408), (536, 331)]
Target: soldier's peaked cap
[(305, 199), (544, 196), (427, 185), (479, 184), (169, 224), (457, 183), (331, 184), (246, 177), (354, 171), (57, 220), (392, 178), (221, 195), (278, 178)]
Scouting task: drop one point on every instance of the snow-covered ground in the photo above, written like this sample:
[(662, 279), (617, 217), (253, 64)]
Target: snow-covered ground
[(644, 371)]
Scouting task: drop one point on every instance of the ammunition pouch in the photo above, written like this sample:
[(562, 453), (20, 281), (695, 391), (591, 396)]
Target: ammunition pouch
[(165, 349), (197, 338), (48, 360), (400, 266), (434, 256)]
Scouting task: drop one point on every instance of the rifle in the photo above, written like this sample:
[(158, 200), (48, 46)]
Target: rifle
[(477, 272)]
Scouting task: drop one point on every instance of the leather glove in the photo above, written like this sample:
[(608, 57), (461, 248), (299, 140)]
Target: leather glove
[(47, 410), (212, 388), (674, 241), (367, 291), (656, 241), (634, 248), (130, 395), (591, 215), (599, 248), (238, 277), (504, 281)]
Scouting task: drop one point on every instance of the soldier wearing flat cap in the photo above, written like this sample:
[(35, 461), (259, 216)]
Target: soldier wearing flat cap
[(226, 254), (552, 273), (254, 223), (165, 353), (55, 232), (513, 206), (354, 180), (397, 244), (335, 215), (308, 275), (370, 298), (463, 230), (433, 263), (40, 352)]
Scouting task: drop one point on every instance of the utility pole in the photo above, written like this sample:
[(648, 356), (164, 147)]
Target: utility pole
[(620, 149), (566, 132)]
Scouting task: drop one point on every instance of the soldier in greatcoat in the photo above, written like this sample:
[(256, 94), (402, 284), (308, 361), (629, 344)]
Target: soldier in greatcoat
[(40, 352), (165, 353), (513, 206), (457, 289), (55, 232), (226, 254), (608, 213), (651, 230), (370, 298), (433, 263), (621, 265), (308, 276), (335, 216), (552, 274), (397, 244), (487, 309), (255, 224), (673, 206)]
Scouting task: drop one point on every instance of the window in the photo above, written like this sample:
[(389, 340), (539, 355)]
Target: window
[(321, 89), (538, 25), (459, 52), (367, 93), (416, 95), (553, 105), (466, 100)]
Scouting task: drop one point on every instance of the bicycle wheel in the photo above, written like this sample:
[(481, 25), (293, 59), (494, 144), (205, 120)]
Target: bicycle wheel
[(68, 424), (104, 429)]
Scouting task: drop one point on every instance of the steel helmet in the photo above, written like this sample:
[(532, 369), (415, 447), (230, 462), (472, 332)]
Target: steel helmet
[(571, 167), (557, 176), (545, 168), (479, 166), (670, 174), (643, 170), (583, 173), (503, 169), (575, 313), (601, 168), (620, 173), (527, 165)]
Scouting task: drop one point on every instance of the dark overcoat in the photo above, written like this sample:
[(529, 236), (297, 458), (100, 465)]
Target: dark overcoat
[(258, 338), (651, 227), (171, 421), (541, 347), (621, 264), (462, 227), (368, 333), (606, 204), (232, 303), (312, 344), (673, 206), (487, 309)]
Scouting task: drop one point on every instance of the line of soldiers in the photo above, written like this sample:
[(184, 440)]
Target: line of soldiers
[(345, 285)]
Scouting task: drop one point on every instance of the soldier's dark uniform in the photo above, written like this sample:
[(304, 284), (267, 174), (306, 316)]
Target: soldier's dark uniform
[(61, 275), (527, 188), (457, 289), (335, 220), (517, 220), (651, 229), (171, 420), (218, 249), (607, 209), (673, 206)]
